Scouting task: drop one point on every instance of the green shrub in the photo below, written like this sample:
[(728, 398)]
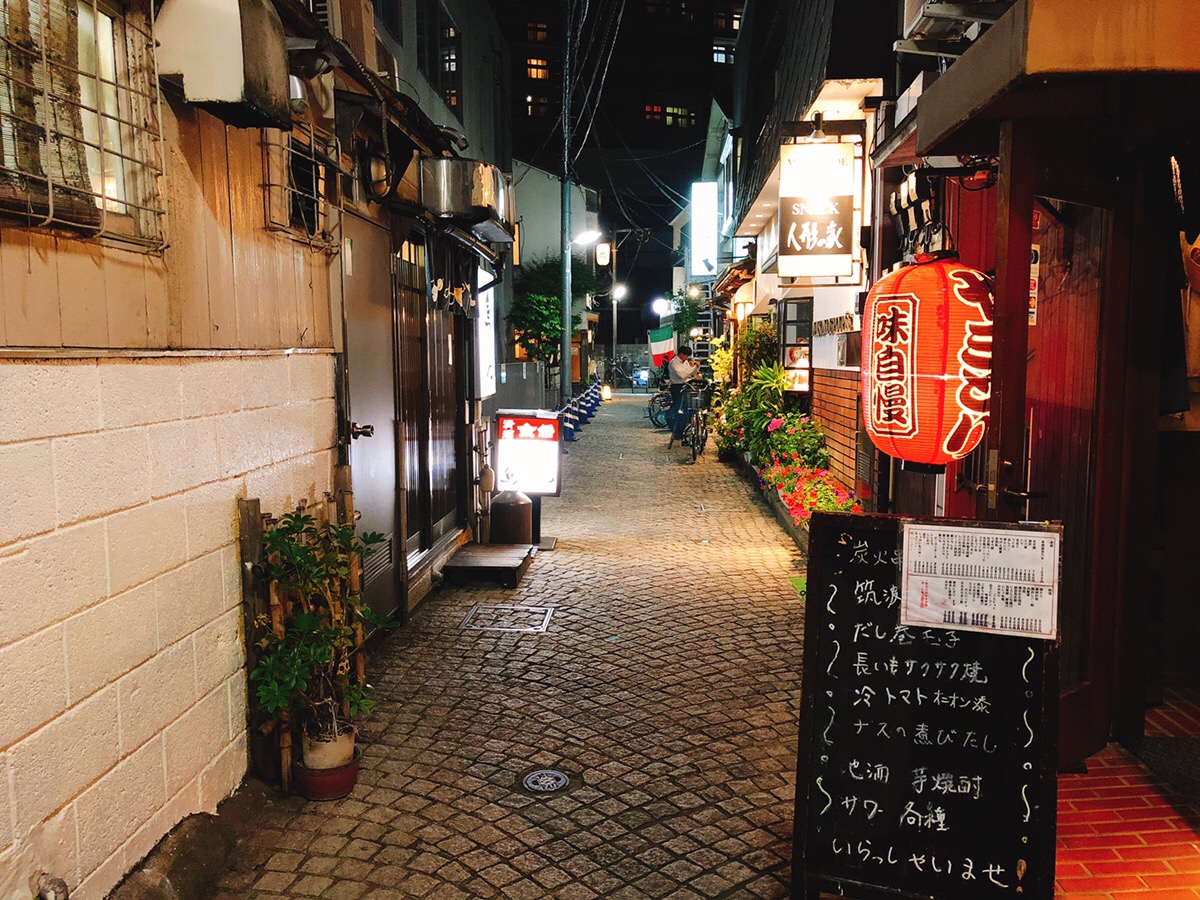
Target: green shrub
[(730, 413), (757, 345), (795, 438)]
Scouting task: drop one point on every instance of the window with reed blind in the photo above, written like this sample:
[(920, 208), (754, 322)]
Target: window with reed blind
[(80, 136)]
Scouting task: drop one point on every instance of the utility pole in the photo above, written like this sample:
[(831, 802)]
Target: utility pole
[(612, 289), (565, 350)]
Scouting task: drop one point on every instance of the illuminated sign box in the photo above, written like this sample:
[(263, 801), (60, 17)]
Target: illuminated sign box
[(704, 228), (819, 193), (528, 451)]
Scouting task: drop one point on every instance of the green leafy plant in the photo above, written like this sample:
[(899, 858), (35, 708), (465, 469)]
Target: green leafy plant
[(730, 427), (721, 360), (307, 672), (757, 345), (795, 438), (764, 393), (687, 314), (536, 323), (535, 317)]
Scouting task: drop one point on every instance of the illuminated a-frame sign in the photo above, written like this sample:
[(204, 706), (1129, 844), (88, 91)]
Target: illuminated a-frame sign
[(528, 451)]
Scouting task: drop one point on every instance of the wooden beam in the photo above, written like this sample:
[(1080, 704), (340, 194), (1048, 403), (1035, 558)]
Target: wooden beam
[(1014, 239)]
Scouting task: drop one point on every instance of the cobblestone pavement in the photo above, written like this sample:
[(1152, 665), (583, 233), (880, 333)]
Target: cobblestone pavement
[(667, 687)]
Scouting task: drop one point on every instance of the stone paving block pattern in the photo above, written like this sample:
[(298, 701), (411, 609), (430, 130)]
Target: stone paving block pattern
[(667, 687)]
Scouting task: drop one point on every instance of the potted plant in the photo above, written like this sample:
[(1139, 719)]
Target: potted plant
[(310, 671)]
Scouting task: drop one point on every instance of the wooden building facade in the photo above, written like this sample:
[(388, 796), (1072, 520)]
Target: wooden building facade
[(1058, 150), (205, 284)]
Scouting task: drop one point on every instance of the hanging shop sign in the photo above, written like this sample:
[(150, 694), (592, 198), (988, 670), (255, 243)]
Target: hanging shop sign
[(485, 339), (927, 361), (528, 451), (818, 195)]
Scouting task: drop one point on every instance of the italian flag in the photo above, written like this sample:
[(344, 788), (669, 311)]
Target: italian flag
[(662, 344)]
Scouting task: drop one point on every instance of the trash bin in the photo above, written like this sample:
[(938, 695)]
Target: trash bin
[(512, 518)]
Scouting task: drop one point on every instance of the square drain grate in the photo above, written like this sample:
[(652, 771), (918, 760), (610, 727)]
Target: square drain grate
[(523, 619)]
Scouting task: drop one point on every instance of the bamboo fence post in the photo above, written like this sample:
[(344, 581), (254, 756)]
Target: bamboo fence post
[(278, 615), (347, 517)]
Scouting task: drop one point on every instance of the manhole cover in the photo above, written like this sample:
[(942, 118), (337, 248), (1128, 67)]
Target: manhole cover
[(546, 781), (503, 617)]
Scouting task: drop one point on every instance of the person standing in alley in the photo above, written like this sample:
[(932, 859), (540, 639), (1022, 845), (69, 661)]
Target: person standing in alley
[(681, 369)]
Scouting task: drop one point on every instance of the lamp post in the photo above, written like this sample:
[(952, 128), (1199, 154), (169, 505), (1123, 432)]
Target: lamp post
[(618, 291)]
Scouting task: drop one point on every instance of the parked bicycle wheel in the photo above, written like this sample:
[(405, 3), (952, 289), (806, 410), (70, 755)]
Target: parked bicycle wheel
[(659, 408)]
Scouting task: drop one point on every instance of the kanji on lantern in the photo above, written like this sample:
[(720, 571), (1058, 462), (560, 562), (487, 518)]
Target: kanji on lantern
[(927, 361)]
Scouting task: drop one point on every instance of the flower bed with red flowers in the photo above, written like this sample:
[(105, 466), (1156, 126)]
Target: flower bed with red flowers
[(803, 489)]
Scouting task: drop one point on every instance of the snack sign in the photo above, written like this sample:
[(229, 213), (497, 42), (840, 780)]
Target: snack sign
[(528, 452)]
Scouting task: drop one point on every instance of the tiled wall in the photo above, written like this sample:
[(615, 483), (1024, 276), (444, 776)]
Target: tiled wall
[(835, 406), (122, 690)]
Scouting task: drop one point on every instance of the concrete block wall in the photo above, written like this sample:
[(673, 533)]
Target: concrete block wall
[(121, 664)]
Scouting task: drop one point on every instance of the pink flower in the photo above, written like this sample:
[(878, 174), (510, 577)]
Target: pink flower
[(774, 424)]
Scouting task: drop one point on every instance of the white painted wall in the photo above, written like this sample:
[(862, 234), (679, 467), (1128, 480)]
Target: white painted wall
[(829, 303), (539, 209), (123, 702)]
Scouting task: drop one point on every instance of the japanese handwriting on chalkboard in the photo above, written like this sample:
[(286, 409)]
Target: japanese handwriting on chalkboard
[(865, 592), (864, 665), (946, 783), (932, 819), (881, 730), (864, 555), (870, 808), (864, 852), (912, 763), (861, 771), (921, 862)]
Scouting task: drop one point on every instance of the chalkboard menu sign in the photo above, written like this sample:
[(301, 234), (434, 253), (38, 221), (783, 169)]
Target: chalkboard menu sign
[(927, 754)]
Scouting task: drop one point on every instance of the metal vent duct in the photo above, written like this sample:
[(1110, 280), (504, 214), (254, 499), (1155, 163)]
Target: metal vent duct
[(470, 193)]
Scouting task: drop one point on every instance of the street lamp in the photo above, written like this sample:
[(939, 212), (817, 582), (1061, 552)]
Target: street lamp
[(660, 306), (586, 237)]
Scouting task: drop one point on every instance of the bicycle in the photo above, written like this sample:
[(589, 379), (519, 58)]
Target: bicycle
[(658, 408), (620, 373), (695, 434)]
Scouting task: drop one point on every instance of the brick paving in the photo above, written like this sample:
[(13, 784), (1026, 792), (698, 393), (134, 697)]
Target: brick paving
[(1123, 832), (667, 688)]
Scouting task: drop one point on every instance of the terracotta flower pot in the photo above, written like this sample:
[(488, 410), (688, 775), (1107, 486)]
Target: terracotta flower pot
[(326, 784)]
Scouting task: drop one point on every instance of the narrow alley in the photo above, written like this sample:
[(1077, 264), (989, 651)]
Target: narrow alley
[(666, 686)]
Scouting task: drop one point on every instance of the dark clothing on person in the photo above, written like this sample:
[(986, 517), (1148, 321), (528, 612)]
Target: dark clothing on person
[(678, 417)]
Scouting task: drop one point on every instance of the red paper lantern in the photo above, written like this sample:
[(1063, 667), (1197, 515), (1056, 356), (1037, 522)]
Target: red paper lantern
[(927, 361)]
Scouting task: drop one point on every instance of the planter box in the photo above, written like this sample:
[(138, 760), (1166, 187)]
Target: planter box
[(798, 533)]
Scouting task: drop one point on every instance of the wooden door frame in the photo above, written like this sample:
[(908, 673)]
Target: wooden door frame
[(1032, 164), (1138, 343)]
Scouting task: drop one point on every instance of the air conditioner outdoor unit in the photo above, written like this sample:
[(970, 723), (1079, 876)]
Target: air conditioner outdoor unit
[(935, 20)]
